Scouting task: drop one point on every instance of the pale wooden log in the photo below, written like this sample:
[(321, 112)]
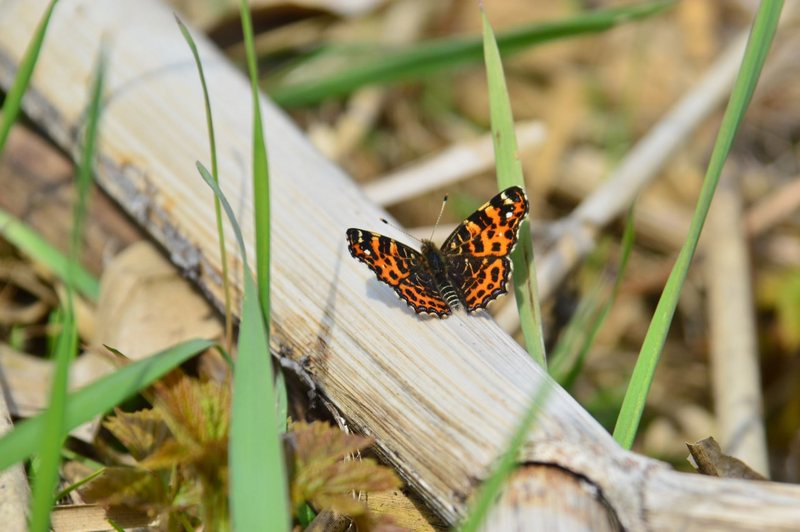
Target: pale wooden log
[(441, 397), (530, 496), (736, 379)]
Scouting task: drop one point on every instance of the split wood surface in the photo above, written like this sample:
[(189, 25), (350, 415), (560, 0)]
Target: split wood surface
[(441, 397)]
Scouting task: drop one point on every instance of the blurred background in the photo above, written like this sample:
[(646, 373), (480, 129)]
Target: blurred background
[(582, 104)]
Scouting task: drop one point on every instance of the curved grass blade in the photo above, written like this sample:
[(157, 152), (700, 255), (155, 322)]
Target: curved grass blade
[(13, 100), (54, 434), (96, 398), (432, 57), (212, 144), (758, 44), (509, 172)]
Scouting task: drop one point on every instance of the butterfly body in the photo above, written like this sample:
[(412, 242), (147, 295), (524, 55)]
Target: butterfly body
[(434, 261), (470, 269)]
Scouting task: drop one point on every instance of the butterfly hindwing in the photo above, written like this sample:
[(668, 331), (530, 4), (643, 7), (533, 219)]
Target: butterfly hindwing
[(400, 267), (479, 279), (477, 251)]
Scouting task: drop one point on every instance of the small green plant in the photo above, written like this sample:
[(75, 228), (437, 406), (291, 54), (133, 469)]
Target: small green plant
[(179, 449)]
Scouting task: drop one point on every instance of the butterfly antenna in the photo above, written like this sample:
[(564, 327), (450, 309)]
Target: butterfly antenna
[(390, 224), (439, 218)]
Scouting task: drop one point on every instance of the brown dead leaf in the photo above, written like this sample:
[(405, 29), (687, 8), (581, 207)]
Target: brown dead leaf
[(26, 379), (146, 305), (710, 460)]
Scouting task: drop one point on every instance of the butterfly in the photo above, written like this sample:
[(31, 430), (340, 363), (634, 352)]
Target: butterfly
[(469, 270)]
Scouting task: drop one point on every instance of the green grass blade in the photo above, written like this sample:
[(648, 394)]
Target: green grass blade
[(54, 422), (37, 248), (558, 370), (258, 490), (79, 484), (432, 57), (53, 437), (490, 489), (261, 197), (97, 398), (259, 493), (758, 44), (509, 172), (212, 144), (13, 101)]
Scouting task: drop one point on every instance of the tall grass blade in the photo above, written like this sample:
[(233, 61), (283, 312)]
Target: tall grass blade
[(758, 44), (13, 101), (97, 398), (509, 172), (54, 434), (212, 145), (385, 66), (258, 491), (261, 199)]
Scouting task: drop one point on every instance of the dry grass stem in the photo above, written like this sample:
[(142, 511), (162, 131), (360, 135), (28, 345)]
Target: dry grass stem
[(736, 381), (454, 164), (774, 208)]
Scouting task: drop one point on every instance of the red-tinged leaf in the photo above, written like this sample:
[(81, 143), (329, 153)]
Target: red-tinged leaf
[(140, 432), (172, 453), (322, 477), (320, 443), (358, 475), (128, 486), (198, 413)]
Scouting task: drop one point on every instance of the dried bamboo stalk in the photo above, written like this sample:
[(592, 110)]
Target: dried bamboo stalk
[(441, 397)]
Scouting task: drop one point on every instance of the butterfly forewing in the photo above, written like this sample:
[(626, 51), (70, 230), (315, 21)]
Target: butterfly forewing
[(399, 266)]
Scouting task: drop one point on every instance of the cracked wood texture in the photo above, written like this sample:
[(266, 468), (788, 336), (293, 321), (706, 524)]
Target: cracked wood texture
[(441, 397)]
